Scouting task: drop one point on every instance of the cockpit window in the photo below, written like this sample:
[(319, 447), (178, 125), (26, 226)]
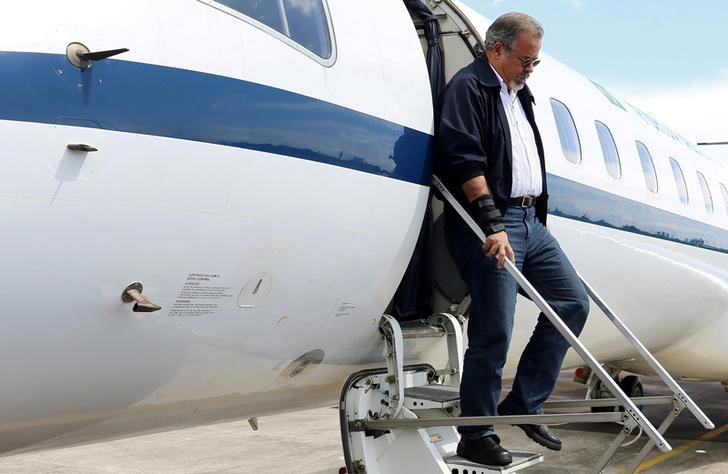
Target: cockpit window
[(682, 187), (303, 21), (706, 192), (568, 135)]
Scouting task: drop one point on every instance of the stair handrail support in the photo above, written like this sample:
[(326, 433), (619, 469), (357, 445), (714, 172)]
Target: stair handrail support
[(663, 374), (628, 425), (394, 350), (677, 407), (455, 344)]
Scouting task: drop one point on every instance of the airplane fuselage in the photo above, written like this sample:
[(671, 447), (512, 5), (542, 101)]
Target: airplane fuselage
[(269, 198)]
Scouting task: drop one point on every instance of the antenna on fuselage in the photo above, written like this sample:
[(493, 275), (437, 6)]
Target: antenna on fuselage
[(81, 57), (712, 143)]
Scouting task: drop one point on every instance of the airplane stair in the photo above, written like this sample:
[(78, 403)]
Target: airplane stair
[(403, 419)]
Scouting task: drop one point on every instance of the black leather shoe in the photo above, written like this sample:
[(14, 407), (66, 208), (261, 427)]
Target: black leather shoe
[(486, 450), (539, 433), (542, 435)]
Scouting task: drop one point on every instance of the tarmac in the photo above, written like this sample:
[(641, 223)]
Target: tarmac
[(309, 442)]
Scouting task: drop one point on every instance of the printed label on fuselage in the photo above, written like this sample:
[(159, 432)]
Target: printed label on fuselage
[(201, 295)]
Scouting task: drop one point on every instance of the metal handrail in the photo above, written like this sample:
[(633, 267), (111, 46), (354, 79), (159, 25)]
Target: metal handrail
[(647, 355), (630, 408)]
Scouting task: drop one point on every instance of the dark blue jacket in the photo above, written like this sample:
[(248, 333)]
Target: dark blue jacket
[(472, 135)]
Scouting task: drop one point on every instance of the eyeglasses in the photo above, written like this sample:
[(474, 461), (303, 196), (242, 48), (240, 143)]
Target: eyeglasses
[(525, 62)]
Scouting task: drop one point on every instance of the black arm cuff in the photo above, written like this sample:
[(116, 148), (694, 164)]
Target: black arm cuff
[(486, 215)]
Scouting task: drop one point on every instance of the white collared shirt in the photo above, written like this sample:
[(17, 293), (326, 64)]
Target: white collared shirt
[(526, 164)]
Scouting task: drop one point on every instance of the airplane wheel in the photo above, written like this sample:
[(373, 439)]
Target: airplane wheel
[(602, 392), (632, 387)]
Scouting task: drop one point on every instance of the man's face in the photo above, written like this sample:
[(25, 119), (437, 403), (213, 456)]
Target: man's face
[(517, 65)]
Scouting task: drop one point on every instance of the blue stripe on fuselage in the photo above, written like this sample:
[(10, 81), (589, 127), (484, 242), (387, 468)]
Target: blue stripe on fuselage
[(176, 103), (587, 204), (163, 101)]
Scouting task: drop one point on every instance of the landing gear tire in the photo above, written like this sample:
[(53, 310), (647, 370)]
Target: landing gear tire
[(630, 385), (600, 391)]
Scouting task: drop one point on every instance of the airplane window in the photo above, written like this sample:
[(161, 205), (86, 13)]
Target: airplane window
[(304, 21), (706, 192), (609, 150), (648, 167), (308, 26), (266, 12), (724, 192), (682, 188), (568, 135)]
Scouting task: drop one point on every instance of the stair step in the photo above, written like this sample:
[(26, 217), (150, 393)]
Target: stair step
[(608, 402), (521, 460), (444, 396), (431, 396), (419, 329)]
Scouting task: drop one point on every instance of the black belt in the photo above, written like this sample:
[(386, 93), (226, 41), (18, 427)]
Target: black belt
[(522, 201)]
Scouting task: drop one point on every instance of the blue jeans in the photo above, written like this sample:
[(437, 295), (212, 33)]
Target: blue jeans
[(493, 294)]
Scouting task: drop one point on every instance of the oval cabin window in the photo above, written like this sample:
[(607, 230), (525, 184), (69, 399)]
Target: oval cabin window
[(707, 196), (609, 150), (568, 135), (648, 166), (682, 187)]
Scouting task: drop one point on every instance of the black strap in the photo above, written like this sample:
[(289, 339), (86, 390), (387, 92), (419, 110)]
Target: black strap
[(486, 215)]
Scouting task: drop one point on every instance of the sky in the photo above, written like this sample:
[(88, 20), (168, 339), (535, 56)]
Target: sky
[(667, 57)]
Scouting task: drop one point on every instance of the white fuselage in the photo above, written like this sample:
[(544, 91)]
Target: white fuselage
[(269, 202)]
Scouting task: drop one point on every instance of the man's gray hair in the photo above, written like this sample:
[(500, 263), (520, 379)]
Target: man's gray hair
[(505, 30)]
